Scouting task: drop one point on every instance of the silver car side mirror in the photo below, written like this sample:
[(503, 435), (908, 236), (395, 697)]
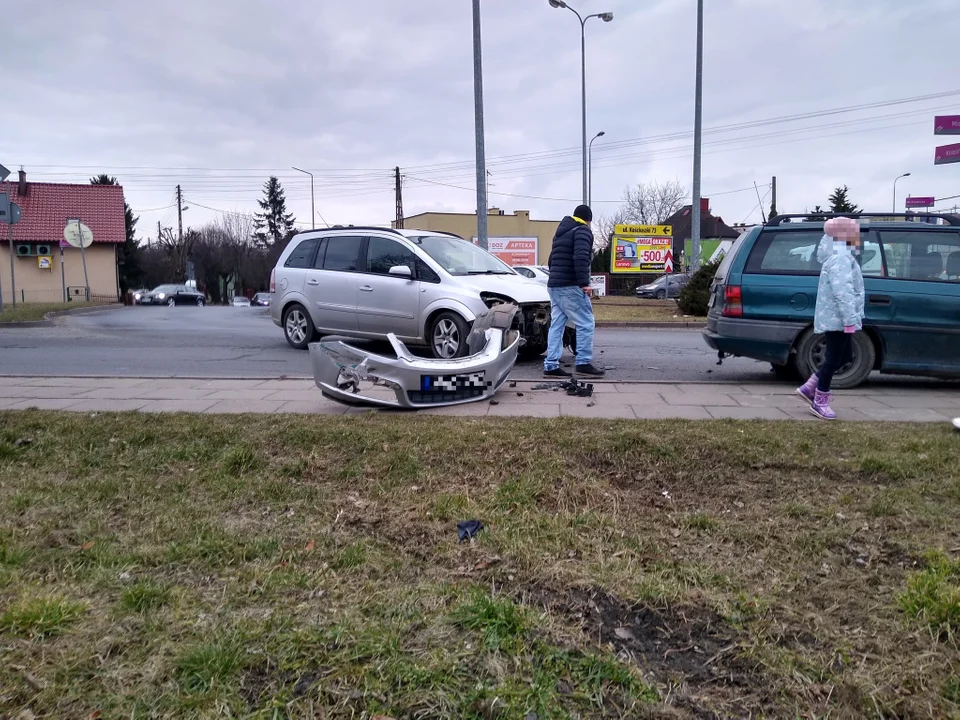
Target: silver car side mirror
[(401, 271)]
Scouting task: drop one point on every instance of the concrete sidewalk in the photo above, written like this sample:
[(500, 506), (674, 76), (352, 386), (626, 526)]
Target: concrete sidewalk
[(610, 400)]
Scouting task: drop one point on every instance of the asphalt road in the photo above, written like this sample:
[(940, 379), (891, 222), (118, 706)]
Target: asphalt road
[(243, 342)]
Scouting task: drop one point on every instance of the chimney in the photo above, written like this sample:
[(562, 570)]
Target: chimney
[(22, 184), (704, 205)]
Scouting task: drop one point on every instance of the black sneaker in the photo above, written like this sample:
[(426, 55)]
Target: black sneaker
[(589, 370), (557, 373)]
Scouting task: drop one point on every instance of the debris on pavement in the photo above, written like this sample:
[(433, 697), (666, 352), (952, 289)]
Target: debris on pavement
[(467, 529), (572, 387)]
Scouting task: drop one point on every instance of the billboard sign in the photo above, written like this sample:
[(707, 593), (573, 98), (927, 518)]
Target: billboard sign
[(920, 202), (947, 154), (946, 125), (641, 248), (513, 250)]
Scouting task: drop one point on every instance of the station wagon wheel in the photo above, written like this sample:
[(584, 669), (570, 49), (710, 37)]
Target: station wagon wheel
[(448, 336), (811, 349), (297, 327)]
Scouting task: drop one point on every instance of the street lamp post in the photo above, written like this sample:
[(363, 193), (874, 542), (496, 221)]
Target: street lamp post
[(590, 168), (313, 210), (895, 191), (697, 138), (606, 17)]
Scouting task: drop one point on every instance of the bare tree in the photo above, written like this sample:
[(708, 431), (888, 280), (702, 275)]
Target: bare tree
[(645, 204), (178, 250)]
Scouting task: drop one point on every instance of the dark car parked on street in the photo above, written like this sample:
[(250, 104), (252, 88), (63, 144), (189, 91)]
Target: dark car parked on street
[(764, 294), (261, 299), (664, 287), (174, 295)]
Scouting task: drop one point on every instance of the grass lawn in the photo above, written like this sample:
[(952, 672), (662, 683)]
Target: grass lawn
[(32, 312), (629, 309), (284, 567)]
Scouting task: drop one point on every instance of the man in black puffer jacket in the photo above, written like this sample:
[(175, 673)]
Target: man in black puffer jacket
[(569, 288)]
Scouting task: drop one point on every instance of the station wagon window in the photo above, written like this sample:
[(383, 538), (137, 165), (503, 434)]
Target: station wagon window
[(302, 255), (343, 253), (922, 255), (383, 254), (787, 252)]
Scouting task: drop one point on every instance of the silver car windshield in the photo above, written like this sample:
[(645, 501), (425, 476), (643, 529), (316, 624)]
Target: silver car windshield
[(459, 257)]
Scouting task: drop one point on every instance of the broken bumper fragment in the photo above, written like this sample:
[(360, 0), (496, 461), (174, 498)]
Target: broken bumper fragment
[(354, 376)]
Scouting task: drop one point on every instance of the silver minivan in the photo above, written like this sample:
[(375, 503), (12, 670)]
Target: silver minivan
[(426, 288)]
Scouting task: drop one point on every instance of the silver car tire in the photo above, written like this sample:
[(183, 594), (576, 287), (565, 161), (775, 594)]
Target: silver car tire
[(448, 336), (297, 327), (171, 302)]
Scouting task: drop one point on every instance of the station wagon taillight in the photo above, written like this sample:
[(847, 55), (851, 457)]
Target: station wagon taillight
[(732, 301), (273, 280)]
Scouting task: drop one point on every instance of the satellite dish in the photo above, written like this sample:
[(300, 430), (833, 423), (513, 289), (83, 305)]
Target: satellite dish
[(74, 232)]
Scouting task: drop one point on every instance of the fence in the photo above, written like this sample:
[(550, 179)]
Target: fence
[(74, 294)]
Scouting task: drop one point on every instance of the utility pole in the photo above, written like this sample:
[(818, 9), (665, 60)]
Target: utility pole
[(478, 129), (773, 193), (398, 189), (180, 216), (158, 235), (697, 136)]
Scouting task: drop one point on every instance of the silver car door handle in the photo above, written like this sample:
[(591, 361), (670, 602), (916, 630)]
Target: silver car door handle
[(366, 288), (313, 282)]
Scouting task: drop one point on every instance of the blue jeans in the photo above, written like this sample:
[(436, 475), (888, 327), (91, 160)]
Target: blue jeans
[(569, 303)]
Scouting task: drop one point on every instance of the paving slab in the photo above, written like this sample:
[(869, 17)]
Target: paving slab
[(98, 405), (909, 415), (672, 412), (233, 407), (725, 412), (599, 410), (703, 399), (248, 394), (230, 385), (527, 410), (174, 406), (44, 404), (313, 407)]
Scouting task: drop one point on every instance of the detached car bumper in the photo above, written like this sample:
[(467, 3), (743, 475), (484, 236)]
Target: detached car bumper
[(354, 376)]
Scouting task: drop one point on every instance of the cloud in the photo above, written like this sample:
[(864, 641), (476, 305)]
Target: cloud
[(216, 96)]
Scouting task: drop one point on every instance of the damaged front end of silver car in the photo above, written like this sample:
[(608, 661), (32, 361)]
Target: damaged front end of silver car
[(348, 374)]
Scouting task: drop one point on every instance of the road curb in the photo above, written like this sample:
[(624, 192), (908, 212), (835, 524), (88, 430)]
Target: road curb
[(664, 325), (50, 318)]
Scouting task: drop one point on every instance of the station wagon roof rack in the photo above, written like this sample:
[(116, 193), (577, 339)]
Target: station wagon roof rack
[(815, 217)]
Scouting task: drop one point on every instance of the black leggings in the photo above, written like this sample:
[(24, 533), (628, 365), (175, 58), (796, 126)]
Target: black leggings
[(839, 353)]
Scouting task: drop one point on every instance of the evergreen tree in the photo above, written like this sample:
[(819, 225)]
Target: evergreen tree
[(840, 201), (128, 258), (274, 223)]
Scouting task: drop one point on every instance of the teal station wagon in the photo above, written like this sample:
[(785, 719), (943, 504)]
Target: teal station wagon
[(763, 298)]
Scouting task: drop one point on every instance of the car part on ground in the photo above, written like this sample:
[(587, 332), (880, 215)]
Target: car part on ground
[(354, 376)]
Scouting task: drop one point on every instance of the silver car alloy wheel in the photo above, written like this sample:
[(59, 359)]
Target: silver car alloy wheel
[(446, 339), (296, 326)]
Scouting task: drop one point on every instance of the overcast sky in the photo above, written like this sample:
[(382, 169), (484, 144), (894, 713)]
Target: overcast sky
[(218, 95)]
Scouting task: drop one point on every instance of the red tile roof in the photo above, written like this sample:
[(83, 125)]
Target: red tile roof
[(46, 207)]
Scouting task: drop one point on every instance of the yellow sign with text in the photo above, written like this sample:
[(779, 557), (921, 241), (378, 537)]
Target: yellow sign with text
[(644, 230)]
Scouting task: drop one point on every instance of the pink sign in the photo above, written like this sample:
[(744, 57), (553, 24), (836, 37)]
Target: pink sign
[(947, 154), (946, 125), (915, 202)]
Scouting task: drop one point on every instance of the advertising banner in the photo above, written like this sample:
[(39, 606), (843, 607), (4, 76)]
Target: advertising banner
[(642, 248), (513, 250), (920, 202)]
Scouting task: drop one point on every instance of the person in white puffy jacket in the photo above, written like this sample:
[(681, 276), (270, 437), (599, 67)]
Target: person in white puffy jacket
[(839, 312)]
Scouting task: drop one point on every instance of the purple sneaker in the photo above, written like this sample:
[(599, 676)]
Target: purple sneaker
[(808, 390), (821, 406)]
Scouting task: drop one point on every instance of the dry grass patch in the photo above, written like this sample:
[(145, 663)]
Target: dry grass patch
[(293, 567)]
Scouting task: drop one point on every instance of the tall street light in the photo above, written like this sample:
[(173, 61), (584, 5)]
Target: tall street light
[(590, 168), (481, 162), (606, 17), (895, 190), (313, 210)]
